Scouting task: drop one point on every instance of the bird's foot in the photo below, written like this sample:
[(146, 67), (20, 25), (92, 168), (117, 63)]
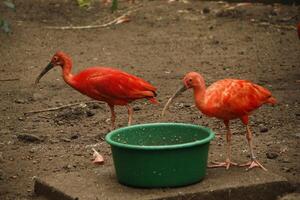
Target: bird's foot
[(225, 164), (253, 163)]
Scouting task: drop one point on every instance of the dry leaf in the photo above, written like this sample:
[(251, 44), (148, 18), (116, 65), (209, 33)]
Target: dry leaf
[(98, 158), (123, 20)]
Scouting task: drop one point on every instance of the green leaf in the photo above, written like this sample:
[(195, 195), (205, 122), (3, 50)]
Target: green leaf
[(114, 5), (4, 26), (84, 3), (9, 4)]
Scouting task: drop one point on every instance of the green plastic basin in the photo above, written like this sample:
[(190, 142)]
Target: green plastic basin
[(160, 154)]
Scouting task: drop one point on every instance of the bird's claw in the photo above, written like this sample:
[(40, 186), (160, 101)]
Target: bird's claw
[(252, 164), (225, 164)]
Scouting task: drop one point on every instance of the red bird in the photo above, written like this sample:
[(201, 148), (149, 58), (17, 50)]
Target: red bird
[(227, 99), (112, 86)]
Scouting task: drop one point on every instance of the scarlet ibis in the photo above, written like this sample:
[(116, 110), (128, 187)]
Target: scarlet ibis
[(227, 99), (112, 86)]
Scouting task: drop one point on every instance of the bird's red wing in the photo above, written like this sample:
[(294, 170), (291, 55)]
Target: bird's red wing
[(246, 96), (121, 85), (235, 98)]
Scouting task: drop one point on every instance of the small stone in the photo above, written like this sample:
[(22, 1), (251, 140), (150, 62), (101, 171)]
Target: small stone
[(21, 119), (90, 113), (263, 128), (28, 138), (136, 108), (68, 167), (19, 101), (32, 150), (95, 106), (53, 141), (60, 122), (272, 155), (75, 136)]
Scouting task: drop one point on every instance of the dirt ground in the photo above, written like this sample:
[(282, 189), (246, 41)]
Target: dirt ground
[(161, 43)]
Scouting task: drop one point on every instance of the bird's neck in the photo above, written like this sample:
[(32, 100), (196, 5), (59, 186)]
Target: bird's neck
[(199, 95), (67, 76)]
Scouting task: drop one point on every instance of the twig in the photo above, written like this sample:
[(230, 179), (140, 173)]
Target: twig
[(59, 107), (10, 79), (267, 24), (94, 26)]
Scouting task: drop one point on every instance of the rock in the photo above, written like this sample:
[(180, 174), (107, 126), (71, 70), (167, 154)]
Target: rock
[(21, 118), (29, 138), (67, 167), (94, 106), (32, 150), (263, 128), (90, 113), (19, 101), (74, 136), (136, 108), (60, 123), (272, 155)]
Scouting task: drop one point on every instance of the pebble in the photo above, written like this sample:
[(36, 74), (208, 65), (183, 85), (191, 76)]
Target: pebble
[(32, 150), (28, 138), (136, 108), (263, 128), (67, 166), (74, 136), (19, 101), (90, 113), (272, 155)]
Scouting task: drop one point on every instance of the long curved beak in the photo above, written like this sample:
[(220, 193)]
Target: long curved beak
[(47, 68), (176, 94)]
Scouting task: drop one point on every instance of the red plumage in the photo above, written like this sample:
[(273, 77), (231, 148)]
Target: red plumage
[(232, 98), (110, 85)]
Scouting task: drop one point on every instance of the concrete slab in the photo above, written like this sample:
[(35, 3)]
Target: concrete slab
[(101, 183)]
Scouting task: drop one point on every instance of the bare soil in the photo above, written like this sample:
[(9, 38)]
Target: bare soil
[(161, 43)]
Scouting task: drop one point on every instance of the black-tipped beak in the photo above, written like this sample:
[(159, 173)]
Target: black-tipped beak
[(47, 68), (176, 94)]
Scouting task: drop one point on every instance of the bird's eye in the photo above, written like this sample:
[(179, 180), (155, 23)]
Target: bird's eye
[(190, 80), (55, 59)]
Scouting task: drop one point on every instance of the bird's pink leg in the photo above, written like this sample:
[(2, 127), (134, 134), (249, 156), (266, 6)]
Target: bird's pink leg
[(227, 162), (254, 162), (130, 113), (113, 116)]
